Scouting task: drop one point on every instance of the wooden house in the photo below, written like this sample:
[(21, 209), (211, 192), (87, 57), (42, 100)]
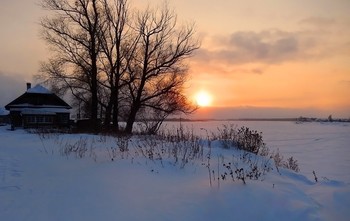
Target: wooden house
[(38, 107)]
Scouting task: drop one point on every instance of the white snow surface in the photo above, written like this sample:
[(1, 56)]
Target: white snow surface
[(38, 89), (38, 183)]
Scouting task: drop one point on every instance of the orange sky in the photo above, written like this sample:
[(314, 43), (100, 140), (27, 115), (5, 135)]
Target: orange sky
[(262, 54), (283, 54)]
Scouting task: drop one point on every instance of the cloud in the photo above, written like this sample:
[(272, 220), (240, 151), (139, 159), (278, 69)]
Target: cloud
[(315, 39), (268, 46)]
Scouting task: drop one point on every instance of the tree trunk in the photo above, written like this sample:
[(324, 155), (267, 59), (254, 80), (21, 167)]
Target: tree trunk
[(110, 107), (115, 115), (108, 114), (94, 96), (116, 102), (131, 120), (94, 105)]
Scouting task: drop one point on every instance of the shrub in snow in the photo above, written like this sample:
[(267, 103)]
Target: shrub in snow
[(314, 173), (244, 166), (242, 138), (180, 147), (290, 163), (250, 141), (78, 149)]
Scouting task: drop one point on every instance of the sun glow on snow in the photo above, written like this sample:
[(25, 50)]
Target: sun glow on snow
[(203, 99)]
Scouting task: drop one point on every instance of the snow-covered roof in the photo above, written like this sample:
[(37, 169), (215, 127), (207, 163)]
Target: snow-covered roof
[(38, 89), (37, 97), (3, 112)]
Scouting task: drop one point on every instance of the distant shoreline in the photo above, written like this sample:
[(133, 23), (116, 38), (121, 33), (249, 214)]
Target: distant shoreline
[(300, 119)]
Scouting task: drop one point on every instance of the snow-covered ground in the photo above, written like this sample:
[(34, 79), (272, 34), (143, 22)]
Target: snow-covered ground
[(321, 147), (39, 182)]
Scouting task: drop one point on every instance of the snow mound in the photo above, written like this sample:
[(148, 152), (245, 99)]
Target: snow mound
[(3, 112)]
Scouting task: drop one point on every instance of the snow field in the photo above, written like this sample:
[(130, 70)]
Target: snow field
[(39, 182)]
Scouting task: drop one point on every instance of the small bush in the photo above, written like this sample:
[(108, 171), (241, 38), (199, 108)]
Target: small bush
[(244, 166), (179, 147), (78, 149), (278, 159), (242, 138), (290, 163), (251, 141)]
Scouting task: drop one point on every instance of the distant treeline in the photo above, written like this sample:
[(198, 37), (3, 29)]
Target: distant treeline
[(329, 119)]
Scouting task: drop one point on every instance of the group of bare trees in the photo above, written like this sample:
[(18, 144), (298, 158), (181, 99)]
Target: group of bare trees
[(118, 63)]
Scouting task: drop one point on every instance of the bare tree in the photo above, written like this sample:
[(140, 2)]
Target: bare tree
[(72, 33), (105, 57), (118, 45), (153, 114), (157, 72)]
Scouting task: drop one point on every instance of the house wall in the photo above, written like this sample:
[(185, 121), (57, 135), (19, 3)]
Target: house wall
[(16, 119), (62, 119), (37, 120)]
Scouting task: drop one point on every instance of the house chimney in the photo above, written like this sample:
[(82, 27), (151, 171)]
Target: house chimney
[(29, 85)]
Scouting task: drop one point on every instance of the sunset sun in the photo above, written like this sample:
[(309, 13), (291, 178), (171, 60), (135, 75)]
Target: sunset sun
[(203, 99)]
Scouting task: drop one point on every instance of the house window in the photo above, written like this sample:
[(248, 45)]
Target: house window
[(48, 119), (31, 119), (39, 119)]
